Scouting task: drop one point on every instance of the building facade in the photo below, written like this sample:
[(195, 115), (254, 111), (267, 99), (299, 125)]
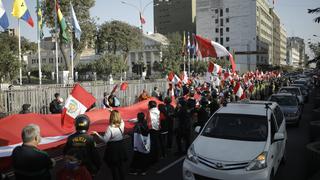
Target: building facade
[(283, 46), (276, 39), (299, 44), (244, 26), (174, 16), (146, 59), (293, 56)]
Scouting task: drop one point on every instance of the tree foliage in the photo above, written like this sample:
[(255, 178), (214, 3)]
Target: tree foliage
[(316, 10), (315, 49), (87, 24), (109, 64), (118, 37), (172, 54), (9, 64)]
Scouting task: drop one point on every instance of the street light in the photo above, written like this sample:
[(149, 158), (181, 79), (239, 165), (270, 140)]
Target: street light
[(140, 10)]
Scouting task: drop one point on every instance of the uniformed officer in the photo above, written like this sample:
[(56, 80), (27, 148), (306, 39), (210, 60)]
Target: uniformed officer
[(85, 144)]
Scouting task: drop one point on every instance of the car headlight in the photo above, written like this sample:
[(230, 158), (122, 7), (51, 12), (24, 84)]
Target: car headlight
[(191, 155), (258, 163)]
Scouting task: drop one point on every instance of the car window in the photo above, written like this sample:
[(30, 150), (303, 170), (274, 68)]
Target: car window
[(274, 127), (237, 127), (279, 115), (290, 90), (285, 100)]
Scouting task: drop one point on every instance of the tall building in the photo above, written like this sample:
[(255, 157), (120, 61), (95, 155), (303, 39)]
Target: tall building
[(283, 46), (293, 56), (299, 44), (276, 39), (245, 26), (174, 16)]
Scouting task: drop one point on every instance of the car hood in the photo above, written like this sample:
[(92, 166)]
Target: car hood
[(289, 109), (227, 150)]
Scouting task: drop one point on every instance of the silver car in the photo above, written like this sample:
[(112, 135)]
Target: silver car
[(290, 107)]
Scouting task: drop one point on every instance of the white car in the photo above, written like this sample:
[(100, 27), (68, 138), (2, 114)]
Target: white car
[(293, 90), (239, 142)]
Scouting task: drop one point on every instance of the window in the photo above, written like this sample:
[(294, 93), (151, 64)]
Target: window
[(227, 20), (221, 12), (51, 60), (217, 11), (227, 10), (217, 30), (221, 41), (44, 60), (221, 22), (274, 127), (227, 29), (217, 21), (227, 39), (279, 115), (221, 31), (217, 39)]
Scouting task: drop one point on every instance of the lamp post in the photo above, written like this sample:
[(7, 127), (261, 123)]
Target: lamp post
[(140, 9)]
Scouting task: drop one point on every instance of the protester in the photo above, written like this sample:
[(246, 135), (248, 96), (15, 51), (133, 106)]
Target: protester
[(115, 153), (73, 168), (183, 126), (28, 161), (105, 101), (84, 144), (141, 146), (163, 130), (25, 109), (156, 93), (169, 118), (143, 96), (203, 112), (56, 105), (153, 120)]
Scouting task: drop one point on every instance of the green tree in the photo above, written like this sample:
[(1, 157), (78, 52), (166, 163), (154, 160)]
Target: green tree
[(315, 49), (110, 64), (172, 54), (117, 36), (9, 64), (316, 10), (87, 24)]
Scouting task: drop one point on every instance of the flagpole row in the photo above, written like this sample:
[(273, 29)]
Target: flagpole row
[(19, 44), (39, 41), (56, 42)]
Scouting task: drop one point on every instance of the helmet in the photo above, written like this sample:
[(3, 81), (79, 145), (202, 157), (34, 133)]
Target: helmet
[(82, 123)]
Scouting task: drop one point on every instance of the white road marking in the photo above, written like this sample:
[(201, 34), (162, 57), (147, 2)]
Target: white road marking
[(170, 165)]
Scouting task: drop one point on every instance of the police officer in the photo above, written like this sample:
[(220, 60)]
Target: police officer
[(85, 144)]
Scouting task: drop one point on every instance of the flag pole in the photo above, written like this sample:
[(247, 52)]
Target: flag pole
[(56, 42), (39, 50), (20, 60), (71, 54)]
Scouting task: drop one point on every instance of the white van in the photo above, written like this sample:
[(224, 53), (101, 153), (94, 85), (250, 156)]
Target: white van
[(239, 142)]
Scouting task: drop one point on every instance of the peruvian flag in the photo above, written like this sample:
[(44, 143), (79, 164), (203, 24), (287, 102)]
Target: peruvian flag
[(142, 19), (211, 67), (217, 69), (176, 79), (210, 48), (238, 91), (77, 103), (184, 77)]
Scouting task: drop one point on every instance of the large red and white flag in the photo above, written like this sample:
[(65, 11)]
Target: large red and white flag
[(77, 103), (238, 91), (210, 48)]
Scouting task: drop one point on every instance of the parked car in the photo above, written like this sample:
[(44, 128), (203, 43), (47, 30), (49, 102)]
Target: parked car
[(293, 90), (304, 90), (303, 81), (290, 107), (240, 141)]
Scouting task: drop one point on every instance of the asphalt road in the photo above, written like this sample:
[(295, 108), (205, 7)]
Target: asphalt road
[(171, 167)]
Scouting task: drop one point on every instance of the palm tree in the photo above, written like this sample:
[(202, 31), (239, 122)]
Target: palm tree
[(316, 10)]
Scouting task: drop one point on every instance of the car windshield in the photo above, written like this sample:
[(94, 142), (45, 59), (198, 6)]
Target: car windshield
[(294, 91), (285, 100), (237, 127)]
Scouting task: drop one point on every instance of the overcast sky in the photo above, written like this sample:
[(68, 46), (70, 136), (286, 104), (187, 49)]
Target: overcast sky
[(293, 14)]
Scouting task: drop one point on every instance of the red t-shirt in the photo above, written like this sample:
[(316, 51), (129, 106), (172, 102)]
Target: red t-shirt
[(80, 174)]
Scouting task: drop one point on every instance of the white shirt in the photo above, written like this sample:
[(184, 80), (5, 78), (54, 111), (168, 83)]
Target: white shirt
[(113, 133), (154, 117)]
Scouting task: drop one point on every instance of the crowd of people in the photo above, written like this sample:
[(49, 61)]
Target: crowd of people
[(153, 136)]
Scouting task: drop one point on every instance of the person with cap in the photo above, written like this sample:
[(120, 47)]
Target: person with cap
[(25, 109), (28, 161), (84, 144), (56, 105)]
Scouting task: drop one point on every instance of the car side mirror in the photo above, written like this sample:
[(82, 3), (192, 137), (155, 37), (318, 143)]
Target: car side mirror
[(197, 129), (279, 137)]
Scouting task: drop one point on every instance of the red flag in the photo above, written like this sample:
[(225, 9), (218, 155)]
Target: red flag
[(77, 103), (123, 86), (142, 20), (210, 48), (211, 67)]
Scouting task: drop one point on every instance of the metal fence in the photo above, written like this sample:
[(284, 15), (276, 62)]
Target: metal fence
[(39, 97)]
